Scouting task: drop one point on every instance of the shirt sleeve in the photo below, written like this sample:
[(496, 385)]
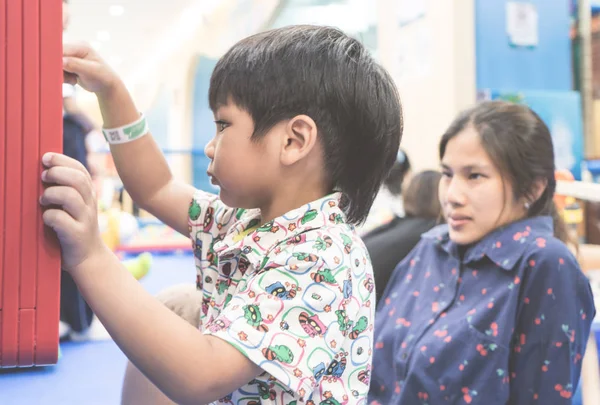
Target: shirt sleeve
[(293, 316), (209, 220), (552, 328)]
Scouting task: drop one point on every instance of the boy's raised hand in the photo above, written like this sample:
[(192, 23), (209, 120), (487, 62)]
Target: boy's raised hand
[(71, 209), (83, 66)]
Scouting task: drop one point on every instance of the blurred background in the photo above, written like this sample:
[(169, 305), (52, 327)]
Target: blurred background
[(443, 54)]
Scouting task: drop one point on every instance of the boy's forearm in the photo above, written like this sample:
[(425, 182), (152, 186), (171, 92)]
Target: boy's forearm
[(140, 164), (163, 346)]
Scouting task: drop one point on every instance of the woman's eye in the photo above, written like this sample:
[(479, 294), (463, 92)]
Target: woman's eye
[(475, 176)]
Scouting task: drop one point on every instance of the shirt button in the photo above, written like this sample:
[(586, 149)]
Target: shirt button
[(404, 356)]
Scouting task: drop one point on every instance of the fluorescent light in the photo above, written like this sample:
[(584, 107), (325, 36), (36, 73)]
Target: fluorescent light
[(116, 10), (179, 32), (103, 36)]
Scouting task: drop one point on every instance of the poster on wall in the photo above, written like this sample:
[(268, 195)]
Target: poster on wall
[(414, 40), (561, 112), (522, 24)]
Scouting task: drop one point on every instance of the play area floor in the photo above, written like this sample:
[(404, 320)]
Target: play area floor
[(88, 373)]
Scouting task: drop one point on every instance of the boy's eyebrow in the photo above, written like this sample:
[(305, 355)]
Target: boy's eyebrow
[(217, 110)]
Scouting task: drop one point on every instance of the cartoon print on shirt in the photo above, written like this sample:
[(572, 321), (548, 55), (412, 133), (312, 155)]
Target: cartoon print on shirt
[(290, 297)]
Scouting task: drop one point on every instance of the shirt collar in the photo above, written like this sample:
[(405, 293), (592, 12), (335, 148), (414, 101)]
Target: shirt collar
[(504, 246), (258, 244)]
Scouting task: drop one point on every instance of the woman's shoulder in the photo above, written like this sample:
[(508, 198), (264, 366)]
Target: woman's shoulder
[(548, 249), (548, 262)]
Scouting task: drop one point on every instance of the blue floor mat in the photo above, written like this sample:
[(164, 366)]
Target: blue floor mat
[(88, 373)]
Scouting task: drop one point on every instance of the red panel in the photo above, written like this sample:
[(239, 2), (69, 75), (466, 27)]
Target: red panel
[(31, 134), (1, 339), (2, 146), (48, 277), (30, 99), (13, 154), (26, 337)]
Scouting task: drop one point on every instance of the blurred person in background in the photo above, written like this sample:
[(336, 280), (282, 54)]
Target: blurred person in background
[(388, 203), (390, 243)]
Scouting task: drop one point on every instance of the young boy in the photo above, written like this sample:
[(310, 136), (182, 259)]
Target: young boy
[(308, 126)]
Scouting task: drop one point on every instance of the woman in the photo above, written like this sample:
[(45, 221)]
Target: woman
[(490, 308), (390, 243)]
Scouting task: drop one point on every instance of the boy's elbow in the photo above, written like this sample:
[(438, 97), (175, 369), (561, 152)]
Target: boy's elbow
[(192, 391), (188, 396)]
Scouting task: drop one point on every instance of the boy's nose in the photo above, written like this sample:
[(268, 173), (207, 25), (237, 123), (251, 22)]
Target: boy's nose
[(209, 149)]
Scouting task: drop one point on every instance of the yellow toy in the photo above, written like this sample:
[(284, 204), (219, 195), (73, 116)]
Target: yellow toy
[(110, 225)]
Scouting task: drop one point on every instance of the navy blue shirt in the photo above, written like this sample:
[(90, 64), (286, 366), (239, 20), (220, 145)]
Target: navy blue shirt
[(504, 321)]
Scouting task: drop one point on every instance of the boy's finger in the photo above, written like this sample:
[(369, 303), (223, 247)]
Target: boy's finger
[(57, 159), (57, 219), (65, 197), (78, 65), (76, 49), (73, 179)]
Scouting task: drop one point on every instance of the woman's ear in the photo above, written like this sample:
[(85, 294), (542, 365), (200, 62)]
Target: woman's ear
[(538, 188)]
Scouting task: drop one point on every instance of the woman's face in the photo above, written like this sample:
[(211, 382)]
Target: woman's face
[(475, 198)]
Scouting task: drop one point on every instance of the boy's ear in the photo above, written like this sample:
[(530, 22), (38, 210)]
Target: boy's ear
[(300, 137)]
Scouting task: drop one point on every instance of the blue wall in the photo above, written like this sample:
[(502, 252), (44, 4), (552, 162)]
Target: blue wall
[(501, 66), (540, 76), (158, 117), (203, 123)]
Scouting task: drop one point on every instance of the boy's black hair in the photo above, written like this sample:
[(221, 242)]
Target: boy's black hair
[(325, 74)]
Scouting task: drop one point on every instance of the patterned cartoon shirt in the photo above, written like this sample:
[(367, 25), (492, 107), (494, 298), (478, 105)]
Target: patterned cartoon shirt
[(505, 321), (295, 296)]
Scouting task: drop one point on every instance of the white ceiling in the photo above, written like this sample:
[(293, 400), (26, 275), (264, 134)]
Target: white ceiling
[(128, 40)]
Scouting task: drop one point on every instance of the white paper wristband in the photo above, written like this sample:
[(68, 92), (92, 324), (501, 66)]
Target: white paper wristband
[(127, 133)]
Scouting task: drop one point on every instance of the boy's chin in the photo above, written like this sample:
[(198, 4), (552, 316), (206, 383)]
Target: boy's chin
[(235, 201), (229, 200)]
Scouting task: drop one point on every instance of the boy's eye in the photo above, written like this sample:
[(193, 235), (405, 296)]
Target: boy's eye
[(475, 176), (446, 174), (221, 125)]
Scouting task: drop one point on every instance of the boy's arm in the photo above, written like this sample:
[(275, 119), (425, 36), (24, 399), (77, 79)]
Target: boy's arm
[(189, 367), (140, 163), (142, 166)]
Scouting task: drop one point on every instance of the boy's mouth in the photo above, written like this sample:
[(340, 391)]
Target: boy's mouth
[(213, 179)]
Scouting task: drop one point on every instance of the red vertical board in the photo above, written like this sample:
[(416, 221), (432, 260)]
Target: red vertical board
[(48, 277), (13, 154), (31, 134), (26, 337), (30, 99), (0, 341), (2, 148)]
